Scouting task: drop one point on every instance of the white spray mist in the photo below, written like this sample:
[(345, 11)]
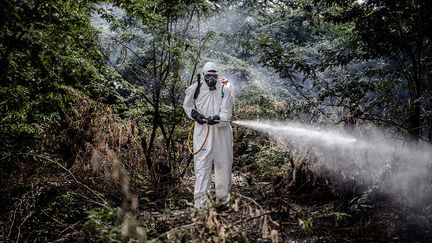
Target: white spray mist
[(369, 156)]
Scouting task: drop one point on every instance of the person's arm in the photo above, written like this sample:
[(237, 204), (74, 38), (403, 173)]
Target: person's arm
[(225, 113), (189, 106), (188, 103)]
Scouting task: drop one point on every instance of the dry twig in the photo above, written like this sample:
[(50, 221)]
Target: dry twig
[(182, 227), (74, 178), (13, 220)]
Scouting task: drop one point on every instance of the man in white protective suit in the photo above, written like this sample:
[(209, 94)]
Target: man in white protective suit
[(210, 104)]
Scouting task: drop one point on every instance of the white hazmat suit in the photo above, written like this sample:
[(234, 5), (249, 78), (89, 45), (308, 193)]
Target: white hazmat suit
[(219, 145)]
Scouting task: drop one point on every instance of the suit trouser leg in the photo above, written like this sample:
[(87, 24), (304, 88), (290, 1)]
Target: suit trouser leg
[(202, 168), (223, 160)]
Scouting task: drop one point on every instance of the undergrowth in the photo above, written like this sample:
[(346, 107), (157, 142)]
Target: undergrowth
[(88, 182)]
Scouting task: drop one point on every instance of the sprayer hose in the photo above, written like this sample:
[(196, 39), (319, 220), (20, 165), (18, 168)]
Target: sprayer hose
[(189, 138)]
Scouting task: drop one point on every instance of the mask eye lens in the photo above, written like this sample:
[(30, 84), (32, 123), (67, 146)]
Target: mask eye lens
[(209, 76)]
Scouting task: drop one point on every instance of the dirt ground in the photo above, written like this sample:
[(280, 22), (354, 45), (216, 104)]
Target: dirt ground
[(263, 214)]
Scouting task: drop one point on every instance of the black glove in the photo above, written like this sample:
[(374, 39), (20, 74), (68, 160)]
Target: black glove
[(197, 117), (212, 120)]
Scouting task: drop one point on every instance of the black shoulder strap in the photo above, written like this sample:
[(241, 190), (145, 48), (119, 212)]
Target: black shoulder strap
[(197, 90)]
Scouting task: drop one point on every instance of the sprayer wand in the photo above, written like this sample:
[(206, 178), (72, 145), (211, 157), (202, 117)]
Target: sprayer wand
[(221, 121)]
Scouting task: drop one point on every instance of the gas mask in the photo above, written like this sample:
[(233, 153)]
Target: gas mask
[(211, 80)]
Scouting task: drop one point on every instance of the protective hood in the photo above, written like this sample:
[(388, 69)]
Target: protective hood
[(209, 67)]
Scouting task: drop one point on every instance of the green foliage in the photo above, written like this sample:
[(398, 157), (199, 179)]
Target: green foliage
[(104, 225), (255, 102), (362, 61), (331, 219), (306, 224), (398, 31), (67, 207), (44, 46), (272, 162)]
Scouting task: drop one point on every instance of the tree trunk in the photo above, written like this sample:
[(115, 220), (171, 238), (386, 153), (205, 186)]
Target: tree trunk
[(414, 120)]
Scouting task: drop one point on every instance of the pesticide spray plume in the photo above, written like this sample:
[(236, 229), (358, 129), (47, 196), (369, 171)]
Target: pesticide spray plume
[(371, 157), (299, 132)]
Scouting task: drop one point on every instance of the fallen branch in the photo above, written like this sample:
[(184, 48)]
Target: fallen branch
[(89, 199), (250, 199), (249, 219), (62, 224), (74, 178), (182, 227), (22, 223), (274, 222), (13, 220), (61, 233), (66, 239), (256, 203)]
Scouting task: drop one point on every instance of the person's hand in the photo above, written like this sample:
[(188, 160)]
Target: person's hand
[(198, 117), (223, 80), (213, 120)]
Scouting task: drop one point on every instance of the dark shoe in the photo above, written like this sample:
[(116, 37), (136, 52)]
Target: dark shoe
[(223, 208)]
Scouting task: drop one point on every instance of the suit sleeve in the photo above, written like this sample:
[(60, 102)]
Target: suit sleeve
[(226, 106), (188, 103)]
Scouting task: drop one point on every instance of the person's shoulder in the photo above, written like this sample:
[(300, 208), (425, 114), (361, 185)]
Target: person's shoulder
[(193, 86)]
